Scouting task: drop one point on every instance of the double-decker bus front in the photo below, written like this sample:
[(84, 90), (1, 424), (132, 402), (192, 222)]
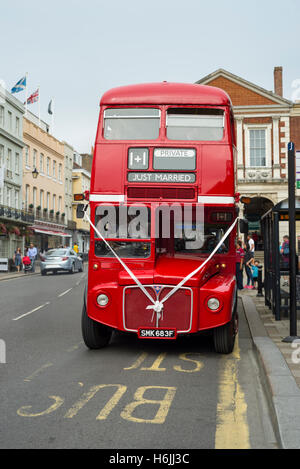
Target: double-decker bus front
[(161, 203)]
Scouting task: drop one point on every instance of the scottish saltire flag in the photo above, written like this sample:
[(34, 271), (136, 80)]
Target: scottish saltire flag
[(33, 97), (20, 86)]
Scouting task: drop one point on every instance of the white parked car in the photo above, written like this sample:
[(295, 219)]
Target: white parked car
[(56, 260)]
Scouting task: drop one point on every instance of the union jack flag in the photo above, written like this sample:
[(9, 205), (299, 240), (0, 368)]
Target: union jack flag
[(33, 98)]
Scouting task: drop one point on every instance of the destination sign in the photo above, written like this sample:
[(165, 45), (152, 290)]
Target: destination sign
[(174, 158), (186, 178)]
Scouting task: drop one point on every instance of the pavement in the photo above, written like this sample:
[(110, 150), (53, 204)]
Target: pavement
[(11, 275), (279, 365)]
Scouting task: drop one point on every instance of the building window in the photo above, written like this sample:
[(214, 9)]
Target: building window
[(34, 196), (27, 156), (59, 203), (41, 163), (2, 116), (54, 169), (48, 200), (9, 159), (26, 196), (42, 198), (59, 171), (54, 202), (9, 114), (34, 158), (1, 156), (257, 140), (17, 163), (8, 197), (17, 193), (48, 166), (17, 126)]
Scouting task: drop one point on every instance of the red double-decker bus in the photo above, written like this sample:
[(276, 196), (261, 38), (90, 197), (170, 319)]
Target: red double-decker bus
[(163, 216)]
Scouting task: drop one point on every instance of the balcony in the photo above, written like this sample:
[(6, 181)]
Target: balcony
[(14, 214), (50, 217)]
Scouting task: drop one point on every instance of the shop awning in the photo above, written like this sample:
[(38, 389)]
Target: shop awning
[(51, 232)]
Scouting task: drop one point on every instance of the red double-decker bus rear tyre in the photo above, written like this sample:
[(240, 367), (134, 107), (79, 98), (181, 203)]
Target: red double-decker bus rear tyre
[(95, 335), (224, 336)]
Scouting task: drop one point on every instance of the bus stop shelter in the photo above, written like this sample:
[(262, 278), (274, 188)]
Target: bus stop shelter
[(277, 295)]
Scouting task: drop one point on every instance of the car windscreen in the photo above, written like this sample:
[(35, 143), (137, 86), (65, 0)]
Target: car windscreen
[(57, 253)]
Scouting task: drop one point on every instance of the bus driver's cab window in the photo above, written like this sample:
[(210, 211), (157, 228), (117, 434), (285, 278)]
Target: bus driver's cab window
[(131, 124)]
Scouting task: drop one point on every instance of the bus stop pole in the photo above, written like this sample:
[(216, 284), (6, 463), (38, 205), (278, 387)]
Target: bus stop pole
[(292, 243)]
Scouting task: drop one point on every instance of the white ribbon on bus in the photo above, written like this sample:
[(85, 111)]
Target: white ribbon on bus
[(157, 306)]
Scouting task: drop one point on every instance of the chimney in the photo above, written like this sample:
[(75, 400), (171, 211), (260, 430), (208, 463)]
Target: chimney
[(278, 80)]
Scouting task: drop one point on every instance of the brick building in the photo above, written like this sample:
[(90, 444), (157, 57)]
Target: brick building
[(265, 122)]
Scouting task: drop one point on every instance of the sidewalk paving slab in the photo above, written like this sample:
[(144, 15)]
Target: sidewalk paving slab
[(281, 373)]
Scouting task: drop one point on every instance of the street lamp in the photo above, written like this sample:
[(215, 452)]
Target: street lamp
[(34, 173)]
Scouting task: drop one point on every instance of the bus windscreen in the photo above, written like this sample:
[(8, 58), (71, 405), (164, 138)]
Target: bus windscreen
[(131, 124), (195, 124)]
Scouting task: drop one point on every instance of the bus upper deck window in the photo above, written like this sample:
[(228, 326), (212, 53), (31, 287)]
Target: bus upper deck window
[(131, 124), (195, 124)]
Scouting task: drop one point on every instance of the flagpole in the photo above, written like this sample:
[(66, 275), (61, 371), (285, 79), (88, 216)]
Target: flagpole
[(52, 117), (26, 75), (39, 107)]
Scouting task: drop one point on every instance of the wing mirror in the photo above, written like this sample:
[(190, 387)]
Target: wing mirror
[(243, 226)]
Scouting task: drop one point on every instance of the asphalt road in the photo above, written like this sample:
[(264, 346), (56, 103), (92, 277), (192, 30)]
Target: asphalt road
[(55, 393)]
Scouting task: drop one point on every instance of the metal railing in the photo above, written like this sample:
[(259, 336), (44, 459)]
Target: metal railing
[(49, 216), (14, 214)]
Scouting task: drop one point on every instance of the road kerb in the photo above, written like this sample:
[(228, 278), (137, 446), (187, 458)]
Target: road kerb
[(282, 389)]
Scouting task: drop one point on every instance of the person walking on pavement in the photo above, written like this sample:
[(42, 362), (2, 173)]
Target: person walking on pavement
[(32, 254), (18, 259), (251, 245), (285, 255), (248, 260), (240, 253)]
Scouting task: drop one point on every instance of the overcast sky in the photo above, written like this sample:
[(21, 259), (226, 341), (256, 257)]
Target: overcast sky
[(76, 50)]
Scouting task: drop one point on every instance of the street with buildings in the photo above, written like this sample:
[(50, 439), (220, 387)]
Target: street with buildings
[(55, 393)]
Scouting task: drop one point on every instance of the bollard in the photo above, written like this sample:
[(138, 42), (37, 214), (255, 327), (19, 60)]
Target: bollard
[(259, 282)]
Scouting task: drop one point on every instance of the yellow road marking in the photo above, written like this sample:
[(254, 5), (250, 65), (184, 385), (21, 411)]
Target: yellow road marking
[(164, 405), (29, 378), (183, 356), (156, 363), (138, 362), (23, 411), (232, 431), (87, 396)]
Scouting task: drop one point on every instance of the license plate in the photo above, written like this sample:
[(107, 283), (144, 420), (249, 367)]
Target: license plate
[(52, 266), (159, 333)]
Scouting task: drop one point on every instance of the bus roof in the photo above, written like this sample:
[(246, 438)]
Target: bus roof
[(166, 93)]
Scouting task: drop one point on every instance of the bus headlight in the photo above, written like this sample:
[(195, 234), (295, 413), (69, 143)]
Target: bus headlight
[(102, 300), (213, 304)]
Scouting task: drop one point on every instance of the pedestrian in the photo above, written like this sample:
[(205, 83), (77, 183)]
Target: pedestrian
[(255, 239), (26, 262), (285, 256), (240, 254), (254, 267), (251, 245), (248, 259), (75, 248), (18, 259), (32, 254)]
